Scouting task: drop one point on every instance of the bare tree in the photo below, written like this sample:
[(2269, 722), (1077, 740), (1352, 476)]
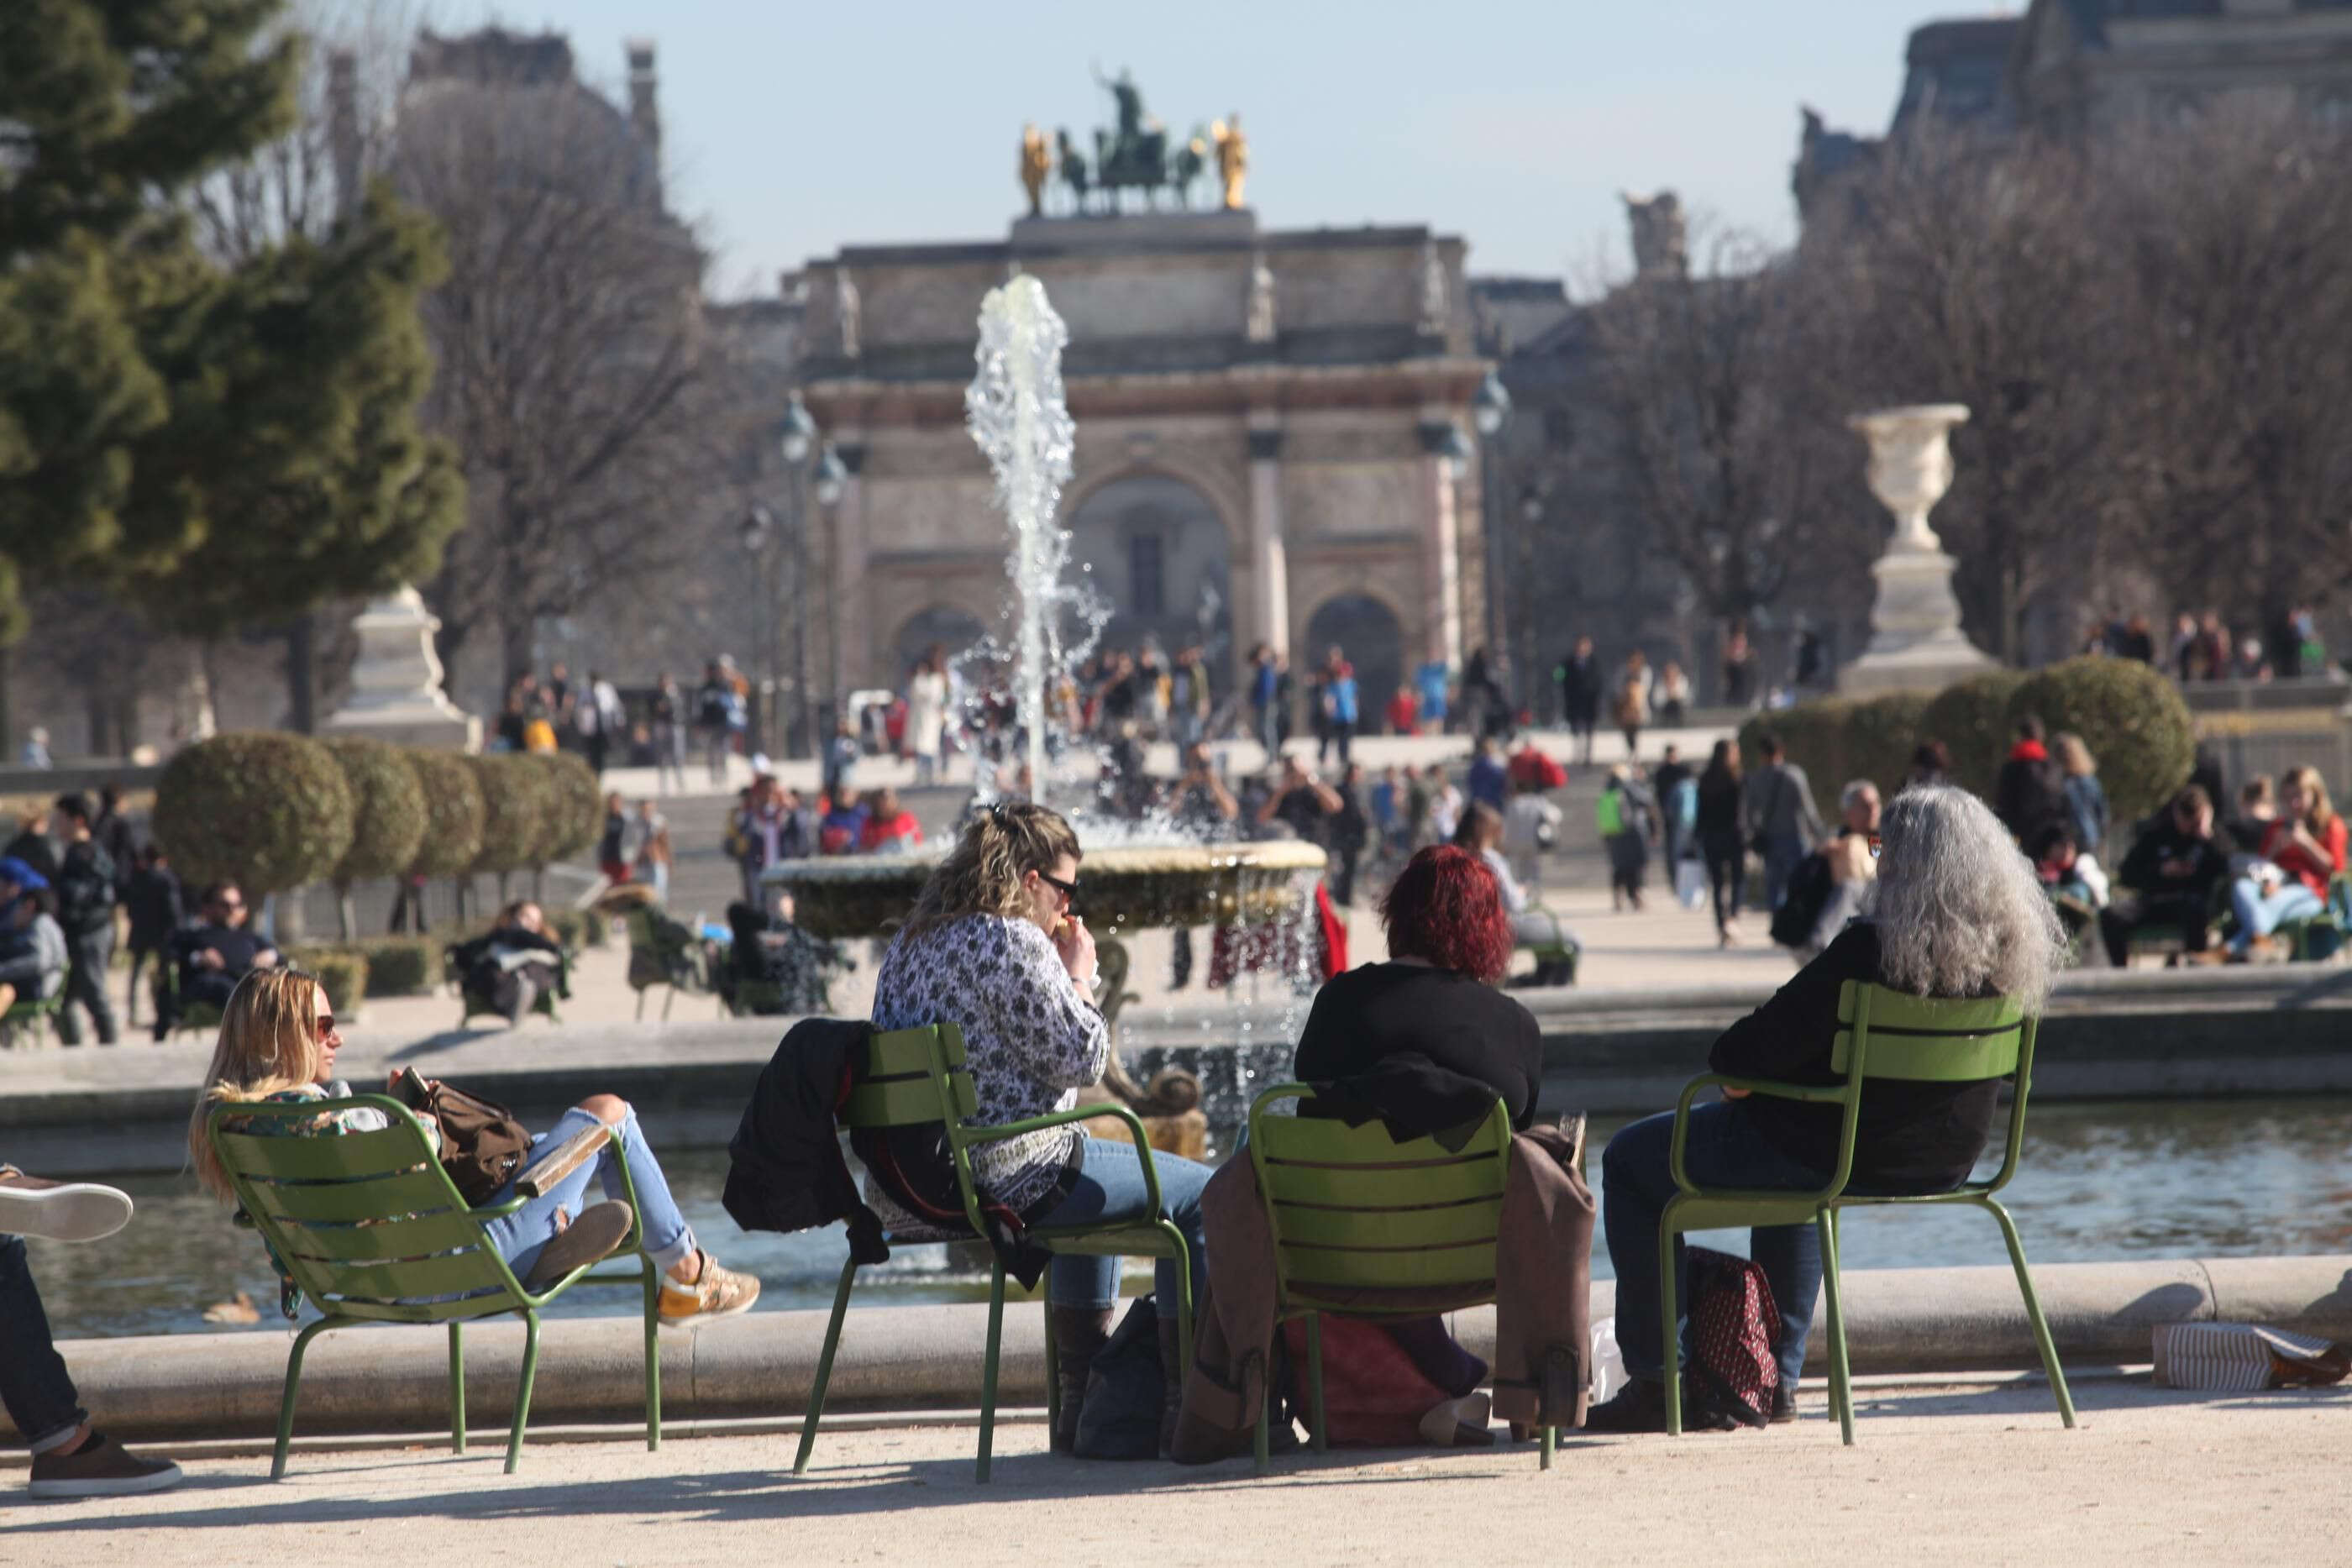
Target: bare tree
[(572, 366)]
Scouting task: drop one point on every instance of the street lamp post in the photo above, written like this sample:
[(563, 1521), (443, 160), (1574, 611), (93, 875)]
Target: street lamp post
[(829, 478), (1490, 410), (796, 438), (758, 528), (1529, 528)]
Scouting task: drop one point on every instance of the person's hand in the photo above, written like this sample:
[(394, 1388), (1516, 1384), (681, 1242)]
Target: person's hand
[(208, 958), (1075, 944), (1733, 1092), (266, 959)]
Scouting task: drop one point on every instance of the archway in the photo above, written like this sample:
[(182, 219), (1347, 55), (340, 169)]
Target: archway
[(943, 624), (1155, 549), (1366, 631)]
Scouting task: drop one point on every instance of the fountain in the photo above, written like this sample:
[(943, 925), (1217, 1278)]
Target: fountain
[(1138, 879)]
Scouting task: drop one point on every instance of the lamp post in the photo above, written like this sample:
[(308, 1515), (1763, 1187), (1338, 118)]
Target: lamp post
[(757, 528), (796, 438), (830, 477), (1490, 411), (1527, 528)]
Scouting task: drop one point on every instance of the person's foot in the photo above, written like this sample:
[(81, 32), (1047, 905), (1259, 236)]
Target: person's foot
[(2211, 955), (715, 1292), (587, 1240), (2266, 950), (1639, 1407), (59, 1210), (1784, 1404), (100, 1468)]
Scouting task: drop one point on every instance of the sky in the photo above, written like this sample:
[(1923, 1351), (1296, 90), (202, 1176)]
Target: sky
[(793, 128)]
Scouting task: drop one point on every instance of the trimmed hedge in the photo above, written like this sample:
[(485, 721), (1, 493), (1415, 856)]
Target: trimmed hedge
[(454, 813), (269, 810), (1881, 734), (1972, 719), (397, 966), (578, 819), (341, 972), (1814, 734), (2132, 719), (519, 803), (389, 814)]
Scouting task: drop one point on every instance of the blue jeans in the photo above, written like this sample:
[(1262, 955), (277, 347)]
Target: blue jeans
[(1723, 1149), (35, 1387), (1782, 855), (668, 1240), (2260, 913), (1110, 1186)]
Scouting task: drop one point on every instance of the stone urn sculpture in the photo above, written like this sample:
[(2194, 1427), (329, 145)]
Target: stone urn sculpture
[(1915, 642), (396, 692)]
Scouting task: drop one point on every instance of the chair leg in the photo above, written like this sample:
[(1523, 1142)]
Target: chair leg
[(286, 1402), (651, 1278), (2033, 1311), (1187, 1289), (1840, 1384), (523, 1391), (988, 1374), (456, 1387), (824, 1368), (641, 1005), (1670, 1323), (1264, 1422), (1549, 1434), (1315, 1378)]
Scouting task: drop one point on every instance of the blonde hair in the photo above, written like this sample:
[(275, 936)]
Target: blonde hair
[(983, 874), (2072, 754), (268, 1042), (2317, 810)]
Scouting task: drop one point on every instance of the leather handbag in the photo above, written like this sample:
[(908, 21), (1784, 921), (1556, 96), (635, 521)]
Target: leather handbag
[(483, 1147)]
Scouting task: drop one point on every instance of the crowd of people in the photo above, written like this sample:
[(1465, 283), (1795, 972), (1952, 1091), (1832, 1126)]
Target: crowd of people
[(2202, 647)]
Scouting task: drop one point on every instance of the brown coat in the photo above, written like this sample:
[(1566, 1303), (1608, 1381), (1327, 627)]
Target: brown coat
[(1543, 1318)]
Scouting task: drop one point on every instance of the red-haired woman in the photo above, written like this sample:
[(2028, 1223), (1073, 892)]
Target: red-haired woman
[(1426, 1042)]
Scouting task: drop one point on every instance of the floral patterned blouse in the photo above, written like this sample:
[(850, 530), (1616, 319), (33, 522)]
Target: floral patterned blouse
[(1031, 1037)]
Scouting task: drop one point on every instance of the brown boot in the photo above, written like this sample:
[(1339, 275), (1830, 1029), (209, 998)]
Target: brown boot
[(1171, 1379), (1079, 1333)]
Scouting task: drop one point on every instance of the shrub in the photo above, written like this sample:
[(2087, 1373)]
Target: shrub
[(269, 810), (578, 819), (388, 816), (454, 812), (2132, 718), (397, 966), (1814, 734), (517, 803), (341, 972), (1881, 734), (1972, 718)]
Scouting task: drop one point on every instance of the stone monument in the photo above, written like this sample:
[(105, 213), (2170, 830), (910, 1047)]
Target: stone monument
[(1916, 642), (396, 692)]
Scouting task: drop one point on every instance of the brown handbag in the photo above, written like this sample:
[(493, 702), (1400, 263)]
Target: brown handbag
[(483, 1147)]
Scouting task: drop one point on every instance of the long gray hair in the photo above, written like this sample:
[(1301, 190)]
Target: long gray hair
[(1960, 911)]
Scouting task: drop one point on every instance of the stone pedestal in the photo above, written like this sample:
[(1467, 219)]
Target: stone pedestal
[(396, 692), (1916, 642)]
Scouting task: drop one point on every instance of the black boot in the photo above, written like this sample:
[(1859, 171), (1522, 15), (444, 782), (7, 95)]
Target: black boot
[(1171, 1379), (1079, 1333)]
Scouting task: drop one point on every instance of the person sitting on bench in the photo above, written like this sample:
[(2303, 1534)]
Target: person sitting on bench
[(2167, 879), (33, 955), (214, 955), (514, 964), (1481, 834)]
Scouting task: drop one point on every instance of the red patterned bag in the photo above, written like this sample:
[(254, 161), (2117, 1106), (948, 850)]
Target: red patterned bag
[(1733, 1332)]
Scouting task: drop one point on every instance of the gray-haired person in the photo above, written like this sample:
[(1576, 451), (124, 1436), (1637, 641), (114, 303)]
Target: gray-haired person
[(1955, 912)]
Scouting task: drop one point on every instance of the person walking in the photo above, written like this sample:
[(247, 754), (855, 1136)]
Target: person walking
[(667, 713), (1722, 841), (1263, 683), (1676, 788), (84, 889), (1341, 705), (1783, 824), (152, 902), (644, 844), (714, 704), (1630, 706), (1579, 696), (926, 713)]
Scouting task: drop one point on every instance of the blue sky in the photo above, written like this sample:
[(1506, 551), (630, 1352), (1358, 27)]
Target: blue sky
[(794, 128)]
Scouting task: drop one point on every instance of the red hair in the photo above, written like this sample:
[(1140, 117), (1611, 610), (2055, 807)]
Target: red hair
[(1446, 908)]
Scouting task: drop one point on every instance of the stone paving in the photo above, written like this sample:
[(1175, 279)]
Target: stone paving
[(1942, 1474)]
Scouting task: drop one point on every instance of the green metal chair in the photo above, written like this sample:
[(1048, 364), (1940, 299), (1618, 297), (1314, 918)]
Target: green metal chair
[(372, 1229), (916, 1076), (32, 1014), (188, 1017), (1352, 1209), (1919, 1039), (661, 952)]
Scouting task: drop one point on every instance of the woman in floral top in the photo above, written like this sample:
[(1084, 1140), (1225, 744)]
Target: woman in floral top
[(278, 1042), (993, 945)]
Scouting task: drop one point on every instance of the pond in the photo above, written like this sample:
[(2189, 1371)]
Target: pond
[(2101, 1183)]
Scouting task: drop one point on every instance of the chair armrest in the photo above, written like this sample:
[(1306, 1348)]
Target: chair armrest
[(1081, 1113), (570, 1155), (1772, 1087)]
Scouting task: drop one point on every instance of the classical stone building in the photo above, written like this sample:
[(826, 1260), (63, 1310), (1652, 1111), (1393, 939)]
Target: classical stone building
[(1273, 429)]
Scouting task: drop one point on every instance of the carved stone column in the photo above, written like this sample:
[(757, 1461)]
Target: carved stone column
[(1269, 552), (396, 692), (853, 637), (1441, 543)]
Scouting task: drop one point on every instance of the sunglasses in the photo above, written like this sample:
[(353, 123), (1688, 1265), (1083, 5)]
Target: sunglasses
[(1069, 889), (325, 1025)]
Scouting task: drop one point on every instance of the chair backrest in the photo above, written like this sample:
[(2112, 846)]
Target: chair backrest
[(368, 1224), (1351, 1207), (1890, 1034), (915, 1077)]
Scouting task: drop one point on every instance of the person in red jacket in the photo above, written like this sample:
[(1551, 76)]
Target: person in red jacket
[(1404, 713), (888, 824), (2302, 852)]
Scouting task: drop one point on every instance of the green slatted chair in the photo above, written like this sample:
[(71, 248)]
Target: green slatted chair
[(1885, 1034), (473, 1004), (1353, 1209), (33, 1015), (372, 1228), (916, 1076)]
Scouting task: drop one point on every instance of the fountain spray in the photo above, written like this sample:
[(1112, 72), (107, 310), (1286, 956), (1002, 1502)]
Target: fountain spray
[(1020, 420)]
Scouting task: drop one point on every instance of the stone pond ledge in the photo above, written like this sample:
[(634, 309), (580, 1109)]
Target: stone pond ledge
[(928, 1357)]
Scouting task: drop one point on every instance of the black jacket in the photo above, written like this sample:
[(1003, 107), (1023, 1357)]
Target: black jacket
[(787, 1171), (85, 885), (2030, 795), (1425, 1050), (2143, 867), (153, 902)]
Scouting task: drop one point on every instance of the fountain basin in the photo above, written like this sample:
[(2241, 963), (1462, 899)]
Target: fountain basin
[(1126, 887)]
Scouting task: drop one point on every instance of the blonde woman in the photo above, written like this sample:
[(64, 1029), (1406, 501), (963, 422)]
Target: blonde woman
[(994, 944), (2303, 852), (278, 1042)]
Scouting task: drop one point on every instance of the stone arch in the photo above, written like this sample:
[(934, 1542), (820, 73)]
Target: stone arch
[(1369, 630), (949, 625), (1160, 549)]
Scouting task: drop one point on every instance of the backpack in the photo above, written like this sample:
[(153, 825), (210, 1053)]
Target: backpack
[(1119, 1418), (1609, 813), (1735, 1330)]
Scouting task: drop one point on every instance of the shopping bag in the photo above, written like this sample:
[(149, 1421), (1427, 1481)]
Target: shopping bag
[(1690, 882)]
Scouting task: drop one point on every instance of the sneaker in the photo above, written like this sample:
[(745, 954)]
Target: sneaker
[(59, 1210), (587, 1240), (100, 1468), (716, 1293)]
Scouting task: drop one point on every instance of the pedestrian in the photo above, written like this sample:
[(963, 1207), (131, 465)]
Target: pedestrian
[(1738, 668), (1430, 681), (1777, 802), (1351, 830), (597, 718), (1579, 696), (1531, 827), (1339, 703), (86, 895), (714, 703), (2029, 792), (926, 713), (1191, 698), (1673, 694), (841, 757), (1722, 839), (667, 712), (645, 845), (1676, 788), (1630, 706), (1488, 780), (612, 852), (1485, 706), (153, 903), (35, 752), (1626, 818), (1404, 713), (115, 835), (889, 827)]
